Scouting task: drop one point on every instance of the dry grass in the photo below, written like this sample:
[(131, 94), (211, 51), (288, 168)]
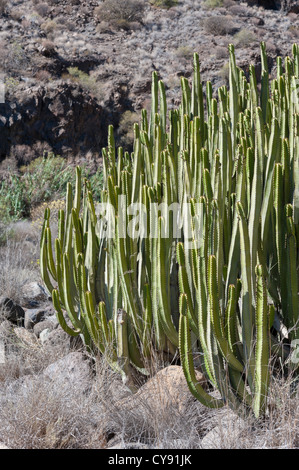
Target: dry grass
[(219, 25), (19, 260), (24, 355), (36, 413)]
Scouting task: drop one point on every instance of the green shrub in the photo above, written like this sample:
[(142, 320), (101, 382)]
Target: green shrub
[(224, 72), (245, 38), (213, 3), (125, 130), (164, 3), (185, 52), (85, 81), (44, 179)]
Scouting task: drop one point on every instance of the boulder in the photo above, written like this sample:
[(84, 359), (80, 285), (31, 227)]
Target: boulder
[(34, 316), (26, 337), (226, 434), (74, 369), (168, 388), (57, 339), (12, 311), (33, 294), (49, 324)]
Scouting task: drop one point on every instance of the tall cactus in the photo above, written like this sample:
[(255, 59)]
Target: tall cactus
[(194, 243)]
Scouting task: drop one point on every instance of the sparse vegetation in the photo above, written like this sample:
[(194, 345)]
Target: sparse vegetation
[(120, 14), (164, 3), (125, 130), (244, 38), (213, 3), (3, 4), (224, 72), (44, 179), (184, 52), (49, 27), (85, 80), (219, 25)]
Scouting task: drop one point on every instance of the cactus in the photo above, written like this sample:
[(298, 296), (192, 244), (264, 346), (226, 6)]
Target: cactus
[(218, 278)]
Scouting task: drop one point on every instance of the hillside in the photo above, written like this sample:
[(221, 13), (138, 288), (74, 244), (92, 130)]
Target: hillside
[(71, 70)]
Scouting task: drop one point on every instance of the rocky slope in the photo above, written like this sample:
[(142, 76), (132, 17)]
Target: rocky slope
[(68, 74)]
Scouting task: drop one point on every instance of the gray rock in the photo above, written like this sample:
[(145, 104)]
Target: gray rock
[(226, 434), (26, 337), (34, 316), (6, 328), (34, 294), (57, 339), (73, 369), (166, 388), (49, 324), (44, 335), (3, 446), (12, 311)]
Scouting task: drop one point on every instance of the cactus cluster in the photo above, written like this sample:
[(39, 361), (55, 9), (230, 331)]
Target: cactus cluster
[(193, 247)]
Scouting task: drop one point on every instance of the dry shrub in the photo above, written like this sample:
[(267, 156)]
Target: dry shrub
[(224, 73), (120, 12), (19, 255), (219, 25), (3, 4), (239, 10), (126, 128), (213, 3), (42, 9), (245, 38), (221, 52), (24, 354), (184, 52), (37, 216), (36, 413), (49, 27), (164, 3)]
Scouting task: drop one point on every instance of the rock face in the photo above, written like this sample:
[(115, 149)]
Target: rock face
[(290, 6), (59, 114)]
